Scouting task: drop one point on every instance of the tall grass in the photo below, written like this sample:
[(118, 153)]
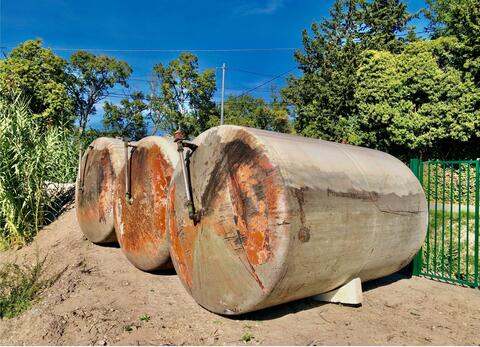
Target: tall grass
[(30, 156)]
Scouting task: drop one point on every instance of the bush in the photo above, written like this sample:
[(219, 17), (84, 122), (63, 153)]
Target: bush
[(30, 157)]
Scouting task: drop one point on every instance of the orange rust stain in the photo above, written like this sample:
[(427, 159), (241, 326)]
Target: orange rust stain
[(255, 189), (143, 222), (105, 197), (95, 201), (241, 206)]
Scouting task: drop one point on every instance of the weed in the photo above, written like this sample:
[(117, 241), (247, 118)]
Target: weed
[(21, 286), (128, 327), (247, 337), (83, 267), (145, 317)]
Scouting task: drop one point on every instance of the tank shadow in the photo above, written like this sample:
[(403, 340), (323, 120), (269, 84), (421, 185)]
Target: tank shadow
[(309, 303), (384, 281), (108, 245), (164, 272), (279, 310)]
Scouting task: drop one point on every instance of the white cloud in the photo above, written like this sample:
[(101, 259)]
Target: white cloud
[(265, 7)]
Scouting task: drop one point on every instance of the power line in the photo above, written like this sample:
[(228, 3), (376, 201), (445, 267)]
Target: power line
[(267, 82), (214, 50), (199, 50)]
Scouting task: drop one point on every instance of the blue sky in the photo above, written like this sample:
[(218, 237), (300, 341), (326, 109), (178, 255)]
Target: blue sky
[(162, 24)]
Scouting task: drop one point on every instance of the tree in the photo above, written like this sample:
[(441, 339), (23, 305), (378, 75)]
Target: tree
[(246, 110), (39, 76), (184, 97), (126, 120), (417, 103), (382, 20), (323, 99), (89, 79), (459, 18)]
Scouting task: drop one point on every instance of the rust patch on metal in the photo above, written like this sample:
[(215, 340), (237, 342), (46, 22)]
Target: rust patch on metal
[(95, 200), (239, 204), (141, 224), (253, 186)]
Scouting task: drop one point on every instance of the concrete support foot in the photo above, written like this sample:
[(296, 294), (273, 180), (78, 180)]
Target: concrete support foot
[(350, 293)]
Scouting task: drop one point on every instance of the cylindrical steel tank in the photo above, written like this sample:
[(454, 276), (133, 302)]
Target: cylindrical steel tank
[(285, 217), (98, 169), (140, 215)]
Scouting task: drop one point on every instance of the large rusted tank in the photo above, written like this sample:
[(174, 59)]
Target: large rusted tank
[(98, 169), (284, 217), (140, 205)]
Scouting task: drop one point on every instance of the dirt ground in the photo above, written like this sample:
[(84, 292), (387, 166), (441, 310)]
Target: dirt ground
[(100, 298)]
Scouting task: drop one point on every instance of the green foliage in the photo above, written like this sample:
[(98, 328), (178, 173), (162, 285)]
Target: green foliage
[(459, 18), (247, 337), (89, 78), (62, 146), (39, 75), (323, 98), (381, 21), (126, 120), (363, 85), (21, 286), (28, 160), (415, 102), (184, 96), (145, 317), (458, 187), (253, 112)]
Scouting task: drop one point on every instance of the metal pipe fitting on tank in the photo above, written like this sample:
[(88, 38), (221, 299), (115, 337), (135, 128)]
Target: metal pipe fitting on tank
[(184, 164), (128, 171)]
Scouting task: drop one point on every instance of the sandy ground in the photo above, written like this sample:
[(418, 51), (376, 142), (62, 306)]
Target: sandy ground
[(100, 298)]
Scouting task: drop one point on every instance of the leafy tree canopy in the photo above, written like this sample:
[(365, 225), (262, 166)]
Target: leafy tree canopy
[(323, 98), (183, 97), (459, 18), (416, 102), (126, 120), (89, 79), (39, 75), (248, 111)]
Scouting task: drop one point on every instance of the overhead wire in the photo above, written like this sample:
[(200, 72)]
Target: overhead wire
[(267, 82), (195, 50), (206, 50)]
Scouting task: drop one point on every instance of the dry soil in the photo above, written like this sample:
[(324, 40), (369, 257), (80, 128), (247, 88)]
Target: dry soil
[(100, 298)]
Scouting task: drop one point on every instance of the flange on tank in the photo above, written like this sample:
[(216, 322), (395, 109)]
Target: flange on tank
[(98, 169), (284, 217), (141, 202)]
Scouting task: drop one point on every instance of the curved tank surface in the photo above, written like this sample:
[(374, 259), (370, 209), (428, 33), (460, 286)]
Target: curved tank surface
[(284, 217), (98, 169), (140, 215)]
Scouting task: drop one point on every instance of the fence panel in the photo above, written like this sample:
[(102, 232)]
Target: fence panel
[(451, 248)]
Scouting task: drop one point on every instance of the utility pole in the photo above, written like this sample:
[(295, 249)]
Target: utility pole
[(223, 92), (153, 118)]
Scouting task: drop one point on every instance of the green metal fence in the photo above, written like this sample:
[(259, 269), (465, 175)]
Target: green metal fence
[(451, 248)]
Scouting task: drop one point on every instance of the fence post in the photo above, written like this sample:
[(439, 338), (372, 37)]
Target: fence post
[(415, 165), (477, 217)]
